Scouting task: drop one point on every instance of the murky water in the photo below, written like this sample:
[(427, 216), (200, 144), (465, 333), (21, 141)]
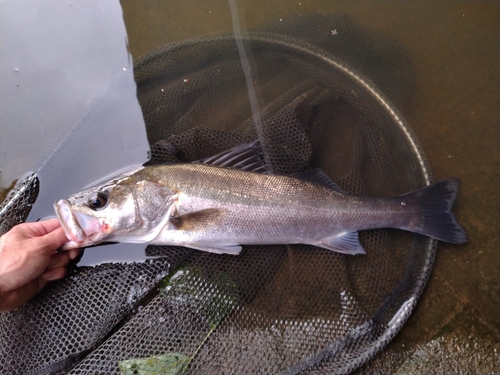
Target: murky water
[(454, 111)]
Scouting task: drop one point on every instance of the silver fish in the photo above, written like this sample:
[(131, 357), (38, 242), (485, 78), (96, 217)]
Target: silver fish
[(221, 203)]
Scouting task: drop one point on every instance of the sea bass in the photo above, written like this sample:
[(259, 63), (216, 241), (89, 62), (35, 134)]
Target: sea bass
[(223, 202)]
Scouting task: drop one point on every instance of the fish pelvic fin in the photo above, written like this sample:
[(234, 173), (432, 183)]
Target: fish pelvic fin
[(345, 243), (433, 217), (217, 248)]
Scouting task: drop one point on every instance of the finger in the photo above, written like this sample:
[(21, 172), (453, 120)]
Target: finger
[(48, 225), (39, 228), (51, 242), (54, 274), (74, 253), (58, 260)]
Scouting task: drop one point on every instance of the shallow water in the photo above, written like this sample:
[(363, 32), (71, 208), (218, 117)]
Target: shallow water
[(454, 112)]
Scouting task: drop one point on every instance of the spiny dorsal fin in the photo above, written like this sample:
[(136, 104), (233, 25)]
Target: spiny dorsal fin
[(246, 157), (318, 176)]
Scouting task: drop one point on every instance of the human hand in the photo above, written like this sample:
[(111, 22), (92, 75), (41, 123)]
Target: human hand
[(29, 261)]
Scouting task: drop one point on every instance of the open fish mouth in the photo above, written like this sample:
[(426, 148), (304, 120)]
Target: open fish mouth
[(81, 229)]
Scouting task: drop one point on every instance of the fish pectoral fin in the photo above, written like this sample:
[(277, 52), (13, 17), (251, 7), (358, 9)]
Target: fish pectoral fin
[(233, 249), (318, 176), (345, 243), (198, 220)]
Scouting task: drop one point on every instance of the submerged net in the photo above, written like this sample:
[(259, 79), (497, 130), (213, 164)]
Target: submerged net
[(272, 309)]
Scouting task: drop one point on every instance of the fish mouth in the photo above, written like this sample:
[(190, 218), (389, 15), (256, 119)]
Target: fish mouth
[(81, 230)]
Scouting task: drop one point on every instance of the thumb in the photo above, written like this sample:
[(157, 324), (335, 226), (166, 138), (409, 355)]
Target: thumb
[(50, 242)]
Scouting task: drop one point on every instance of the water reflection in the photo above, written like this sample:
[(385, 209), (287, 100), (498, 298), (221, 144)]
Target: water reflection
[(68, 106)]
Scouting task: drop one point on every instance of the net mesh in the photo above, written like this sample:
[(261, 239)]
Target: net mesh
[(16, 206), (272, 309)]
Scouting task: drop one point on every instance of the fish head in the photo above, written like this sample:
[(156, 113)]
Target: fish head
[(98, 214)]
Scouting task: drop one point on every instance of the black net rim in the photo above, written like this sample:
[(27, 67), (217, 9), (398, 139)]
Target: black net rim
[(299, 47), (366, 340), (369, 91)]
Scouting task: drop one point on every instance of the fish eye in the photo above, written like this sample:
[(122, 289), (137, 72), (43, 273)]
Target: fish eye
[(98, 200)]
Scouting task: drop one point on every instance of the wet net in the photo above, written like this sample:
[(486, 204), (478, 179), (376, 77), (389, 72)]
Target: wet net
[(329, 95)]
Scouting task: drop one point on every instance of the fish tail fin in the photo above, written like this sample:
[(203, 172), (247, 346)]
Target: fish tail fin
[(435, 218)]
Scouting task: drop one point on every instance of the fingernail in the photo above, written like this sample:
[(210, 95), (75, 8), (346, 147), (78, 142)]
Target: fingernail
[(73, 253)]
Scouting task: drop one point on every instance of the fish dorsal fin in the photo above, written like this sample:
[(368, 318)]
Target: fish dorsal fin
[(197, 220), (318, 176), (246, 157)]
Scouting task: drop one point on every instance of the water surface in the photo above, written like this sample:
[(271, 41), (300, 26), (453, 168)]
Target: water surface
[(454, 112)]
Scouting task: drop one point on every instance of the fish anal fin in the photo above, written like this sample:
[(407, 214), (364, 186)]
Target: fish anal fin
[(318, 176), (233, 249), (198, 220), (345, 243)]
